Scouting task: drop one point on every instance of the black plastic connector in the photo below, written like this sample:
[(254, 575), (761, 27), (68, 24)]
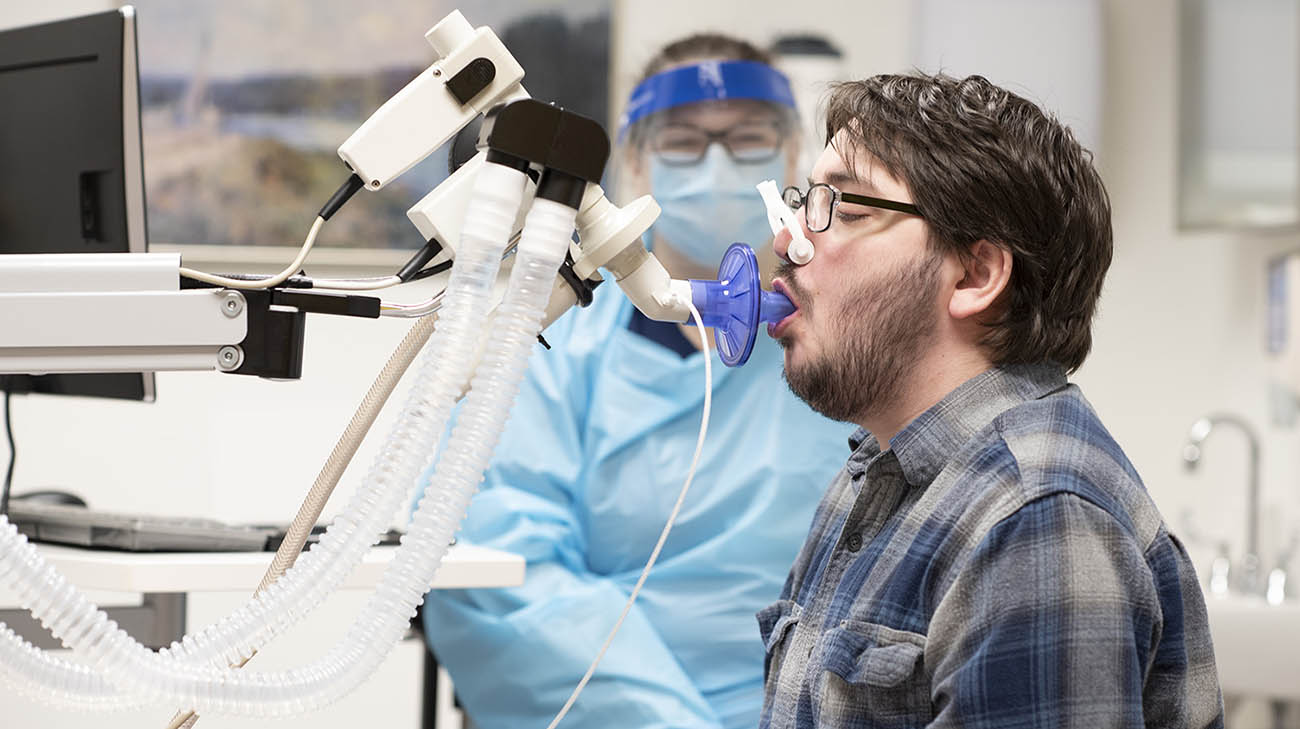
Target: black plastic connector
[(341, 196), (366, 307), (583, 289), (277, 324), (547, 135), (477, 75), (561, 187), (497, 157), (421, 259), (273, 345)]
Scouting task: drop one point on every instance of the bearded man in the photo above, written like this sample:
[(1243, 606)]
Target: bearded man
[(988, 557)]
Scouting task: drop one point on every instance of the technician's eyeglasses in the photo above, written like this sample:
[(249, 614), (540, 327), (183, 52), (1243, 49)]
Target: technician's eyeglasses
[(685, 144), (822, 198)]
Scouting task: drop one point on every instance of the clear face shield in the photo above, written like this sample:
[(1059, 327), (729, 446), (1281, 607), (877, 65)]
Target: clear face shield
[(700, 137)]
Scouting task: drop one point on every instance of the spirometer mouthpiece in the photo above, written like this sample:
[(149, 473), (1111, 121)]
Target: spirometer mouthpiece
[(735, 305)]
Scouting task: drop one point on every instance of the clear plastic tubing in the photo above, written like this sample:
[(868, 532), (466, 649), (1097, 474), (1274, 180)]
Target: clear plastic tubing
[(410, 447), (43, 677), (215, 687)]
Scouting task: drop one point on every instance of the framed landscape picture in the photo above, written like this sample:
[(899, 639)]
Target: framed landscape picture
[(244, 104)]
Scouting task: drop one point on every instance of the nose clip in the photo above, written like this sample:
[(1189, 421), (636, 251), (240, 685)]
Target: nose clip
[(736, 305), (779, 215)]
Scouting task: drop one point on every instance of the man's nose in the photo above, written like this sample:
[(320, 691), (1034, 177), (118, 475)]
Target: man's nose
[(781, 244)]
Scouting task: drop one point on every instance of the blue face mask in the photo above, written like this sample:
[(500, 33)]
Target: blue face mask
[(712, 204)]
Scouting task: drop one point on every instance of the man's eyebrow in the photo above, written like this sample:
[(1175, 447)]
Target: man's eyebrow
[(841, 178)]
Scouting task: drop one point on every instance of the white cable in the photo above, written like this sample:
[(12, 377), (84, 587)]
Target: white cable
[(355, 284), (265, 283), (412, 311), (672, 517), (337, 284)]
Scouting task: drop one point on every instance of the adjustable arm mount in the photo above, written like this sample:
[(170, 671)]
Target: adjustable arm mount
[(131, 312), (134, 312)]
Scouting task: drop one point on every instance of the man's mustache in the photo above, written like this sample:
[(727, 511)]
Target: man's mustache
[(786, 272)]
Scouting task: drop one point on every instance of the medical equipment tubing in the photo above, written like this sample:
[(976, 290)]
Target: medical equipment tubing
[(47, 678), (439, 382), (410, 447)]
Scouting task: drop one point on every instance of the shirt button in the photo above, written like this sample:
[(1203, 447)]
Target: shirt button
[(854, 542)]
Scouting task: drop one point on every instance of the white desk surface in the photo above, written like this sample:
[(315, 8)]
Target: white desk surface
[(465, 565)]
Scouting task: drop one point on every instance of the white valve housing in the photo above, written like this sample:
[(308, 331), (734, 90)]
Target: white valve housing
[(425, 113)]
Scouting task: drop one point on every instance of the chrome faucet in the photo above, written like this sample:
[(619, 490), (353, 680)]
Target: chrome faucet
[(1249, 580), (1278, 589)]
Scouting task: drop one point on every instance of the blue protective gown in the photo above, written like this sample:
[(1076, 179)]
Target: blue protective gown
[(591, 462)]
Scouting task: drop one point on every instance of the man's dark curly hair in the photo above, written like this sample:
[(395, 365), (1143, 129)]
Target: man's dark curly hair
[(984, 163)]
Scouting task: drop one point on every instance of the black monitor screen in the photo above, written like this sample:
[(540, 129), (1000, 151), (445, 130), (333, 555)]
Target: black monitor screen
[(71, 173)]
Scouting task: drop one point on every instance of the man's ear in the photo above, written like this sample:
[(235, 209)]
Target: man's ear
[(986, 274)]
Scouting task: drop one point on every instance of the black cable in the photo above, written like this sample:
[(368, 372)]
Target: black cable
[(433, 270), (13, 456)]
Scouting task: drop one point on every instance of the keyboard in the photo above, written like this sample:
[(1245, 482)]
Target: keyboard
[(84, 527)]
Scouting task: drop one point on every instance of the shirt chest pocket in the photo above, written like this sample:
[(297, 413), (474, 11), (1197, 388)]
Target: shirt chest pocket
[(871, 673), (775, 622)]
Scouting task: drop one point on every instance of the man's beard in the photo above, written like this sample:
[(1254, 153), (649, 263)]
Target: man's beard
[(876, 340)]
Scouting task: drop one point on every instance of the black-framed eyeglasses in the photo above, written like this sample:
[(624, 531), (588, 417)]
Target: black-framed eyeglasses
[(821, 199), (750, 142)]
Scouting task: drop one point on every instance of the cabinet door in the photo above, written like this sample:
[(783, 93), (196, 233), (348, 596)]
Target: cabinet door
[(1239, 117)]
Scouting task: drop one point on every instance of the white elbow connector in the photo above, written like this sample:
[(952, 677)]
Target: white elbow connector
[(649, 287), (611, 239)]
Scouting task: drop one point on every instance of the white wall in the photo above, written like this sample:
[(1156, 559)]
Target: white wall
[(1180, 334), (1181, 330), (25, 13)]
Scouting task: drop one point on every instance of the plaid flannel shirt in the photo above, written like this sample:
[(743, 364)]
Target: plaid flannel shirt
[(1001, 565)]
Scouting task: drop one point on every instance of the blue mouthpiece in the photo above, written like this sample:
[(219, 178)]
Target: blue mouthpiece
[(736, 304), (774, 307)]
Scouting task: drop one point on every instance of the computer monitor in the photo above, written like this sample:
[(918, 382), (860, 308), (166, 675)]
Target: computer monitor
[(71, 167)]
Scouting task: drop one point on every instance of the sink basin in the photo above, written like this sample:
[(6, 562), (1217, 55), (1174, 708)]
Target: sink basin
[(1256, 645)]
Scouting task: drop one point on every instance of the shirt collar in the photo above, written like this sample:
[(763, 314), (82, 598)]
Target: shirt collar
[(865, 448), (929, 441)]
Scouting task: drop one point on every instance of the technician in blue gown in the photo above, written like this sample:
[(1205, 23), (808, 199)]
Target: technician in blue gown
[(601, 438)]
